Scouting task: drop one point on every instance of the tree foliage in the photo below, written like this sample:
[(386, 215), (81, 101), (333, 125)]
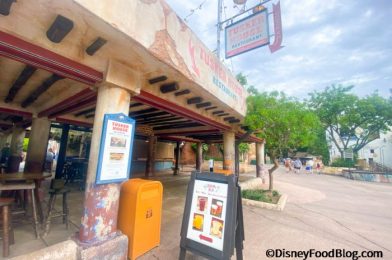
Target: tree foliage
[(241, 78), (283, 122), (350, 121)]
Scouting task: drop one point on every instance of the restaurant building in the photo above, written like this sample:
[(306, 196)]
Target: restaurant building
[(73, 61)]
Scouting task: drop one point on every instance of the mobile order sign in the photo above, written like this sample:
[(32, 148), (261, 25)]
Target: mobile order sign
[(208, 212), (210, 216), (247, 34)]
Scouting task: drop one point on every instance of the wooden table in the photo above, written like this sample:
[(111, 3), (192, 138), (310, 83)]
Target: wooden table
[(36, 177)]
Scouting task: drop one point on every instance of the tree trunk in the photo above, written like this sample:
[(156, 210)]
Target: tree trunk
[(270, 172)]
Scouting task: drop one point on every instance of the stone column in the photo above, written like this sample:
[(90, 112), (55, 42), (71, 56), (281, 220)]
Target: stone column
[(228, 151), (259, 158), (199, 156), (99, 223), (16, 148), (38, 144), (177, 158), (150, 163)]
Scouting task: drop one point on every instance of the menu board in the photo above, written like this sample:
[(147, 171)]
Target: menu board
[(116, 147), (210, 216), (208, 212)]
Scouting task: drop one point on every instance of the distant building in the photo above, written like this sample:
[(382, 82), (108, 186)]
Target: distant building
[(379, 150)]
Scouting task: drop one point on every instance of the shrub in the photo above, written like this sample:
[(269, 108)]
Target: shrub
[(261, 195), (343, 163)]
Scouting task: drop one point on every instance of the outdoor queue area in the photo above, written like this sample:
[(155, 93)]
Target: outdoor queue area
[(91, 65)]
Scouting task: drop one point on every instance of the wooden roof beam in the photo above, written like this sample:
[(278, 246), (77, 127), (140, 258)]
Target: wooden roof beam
[(23, 77), (41, 89)]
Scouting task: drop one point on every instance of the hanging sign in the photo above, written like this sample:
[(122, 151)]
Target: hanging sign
[(247, 34), (209, 221), (115, 152)]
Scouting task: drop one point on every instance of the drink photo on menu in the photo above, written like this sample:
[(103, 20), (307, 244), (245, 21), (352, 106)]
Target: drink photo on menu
[(216, 208), (201, 203), (198, 222), (216, 227)]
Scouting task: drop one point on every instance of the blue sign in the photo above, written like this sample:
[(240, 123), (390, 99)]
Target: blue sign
[(115, 151)]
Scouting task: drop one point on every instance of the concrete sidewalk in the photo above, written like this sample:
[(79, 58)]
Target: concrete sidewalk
[(323, 212)]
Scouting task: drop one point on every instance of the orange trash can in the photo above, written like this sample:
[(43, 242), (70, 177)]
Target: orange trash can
[(139, 215)]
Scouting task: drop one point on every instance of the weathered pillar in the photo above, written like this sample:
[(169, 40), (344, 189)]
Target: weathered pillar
[(62, 151), (16, 149), (98, 234), (259, 158), (177, 152), (228, 151), (98, 223), (38, 144), (199, 156), (150, 163)]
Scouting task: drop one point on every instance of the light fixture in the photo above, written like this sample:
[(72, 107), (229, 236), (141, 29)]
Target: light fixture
[(59, 29)]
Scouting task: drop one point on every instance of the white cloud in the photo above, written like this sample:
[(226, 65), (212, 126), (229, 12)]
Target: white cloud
[(327, 35), (325, 43)]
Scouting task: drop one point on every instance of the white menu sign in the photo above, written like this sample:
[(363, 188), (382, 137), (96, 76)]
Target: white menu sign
[(116, 152), (208, 212)]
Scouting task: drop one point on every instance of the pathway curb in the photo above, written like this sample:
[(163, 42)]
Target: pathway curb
[(256, 183)]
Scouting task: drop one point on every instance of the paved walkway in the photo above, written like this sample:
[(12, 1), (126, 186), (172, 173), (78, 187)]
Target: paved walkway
[(323, 212)]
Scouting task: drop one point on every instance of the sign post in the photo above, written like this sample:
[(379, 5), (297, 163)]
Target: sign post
[(212, 223), (115, 152)]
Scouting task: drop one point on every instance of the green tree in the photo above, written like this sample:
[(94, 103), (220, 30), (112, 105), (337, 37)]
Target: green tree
[(204, 148), (350, 121), (243, 148), (283, 122), (241, 78), (319, 146)]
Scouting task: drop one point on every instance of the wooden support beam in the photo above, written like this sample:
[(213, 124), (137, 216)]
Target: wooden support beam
[(41, 89), (151, 115), (86, 111), (159, 119), (182, 92), (229, 118), (174, 126), (205, 104), (25, 52), (209, 108), (218, 112), (170, 123), (72, 100), (143, 111), (169, 87), (157, 79), (194, 100), (77, 106), (135, 105), (24, 76), (224, 114)]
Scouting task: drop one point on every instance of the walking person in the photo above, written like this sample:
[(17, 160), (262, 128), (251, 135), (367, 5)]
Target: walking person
[(309, 166), (287, 165), (297, 165)]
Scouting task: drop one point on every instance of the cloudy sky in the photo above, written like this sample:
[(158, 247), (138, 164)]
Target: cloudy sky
[(326, 42)]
